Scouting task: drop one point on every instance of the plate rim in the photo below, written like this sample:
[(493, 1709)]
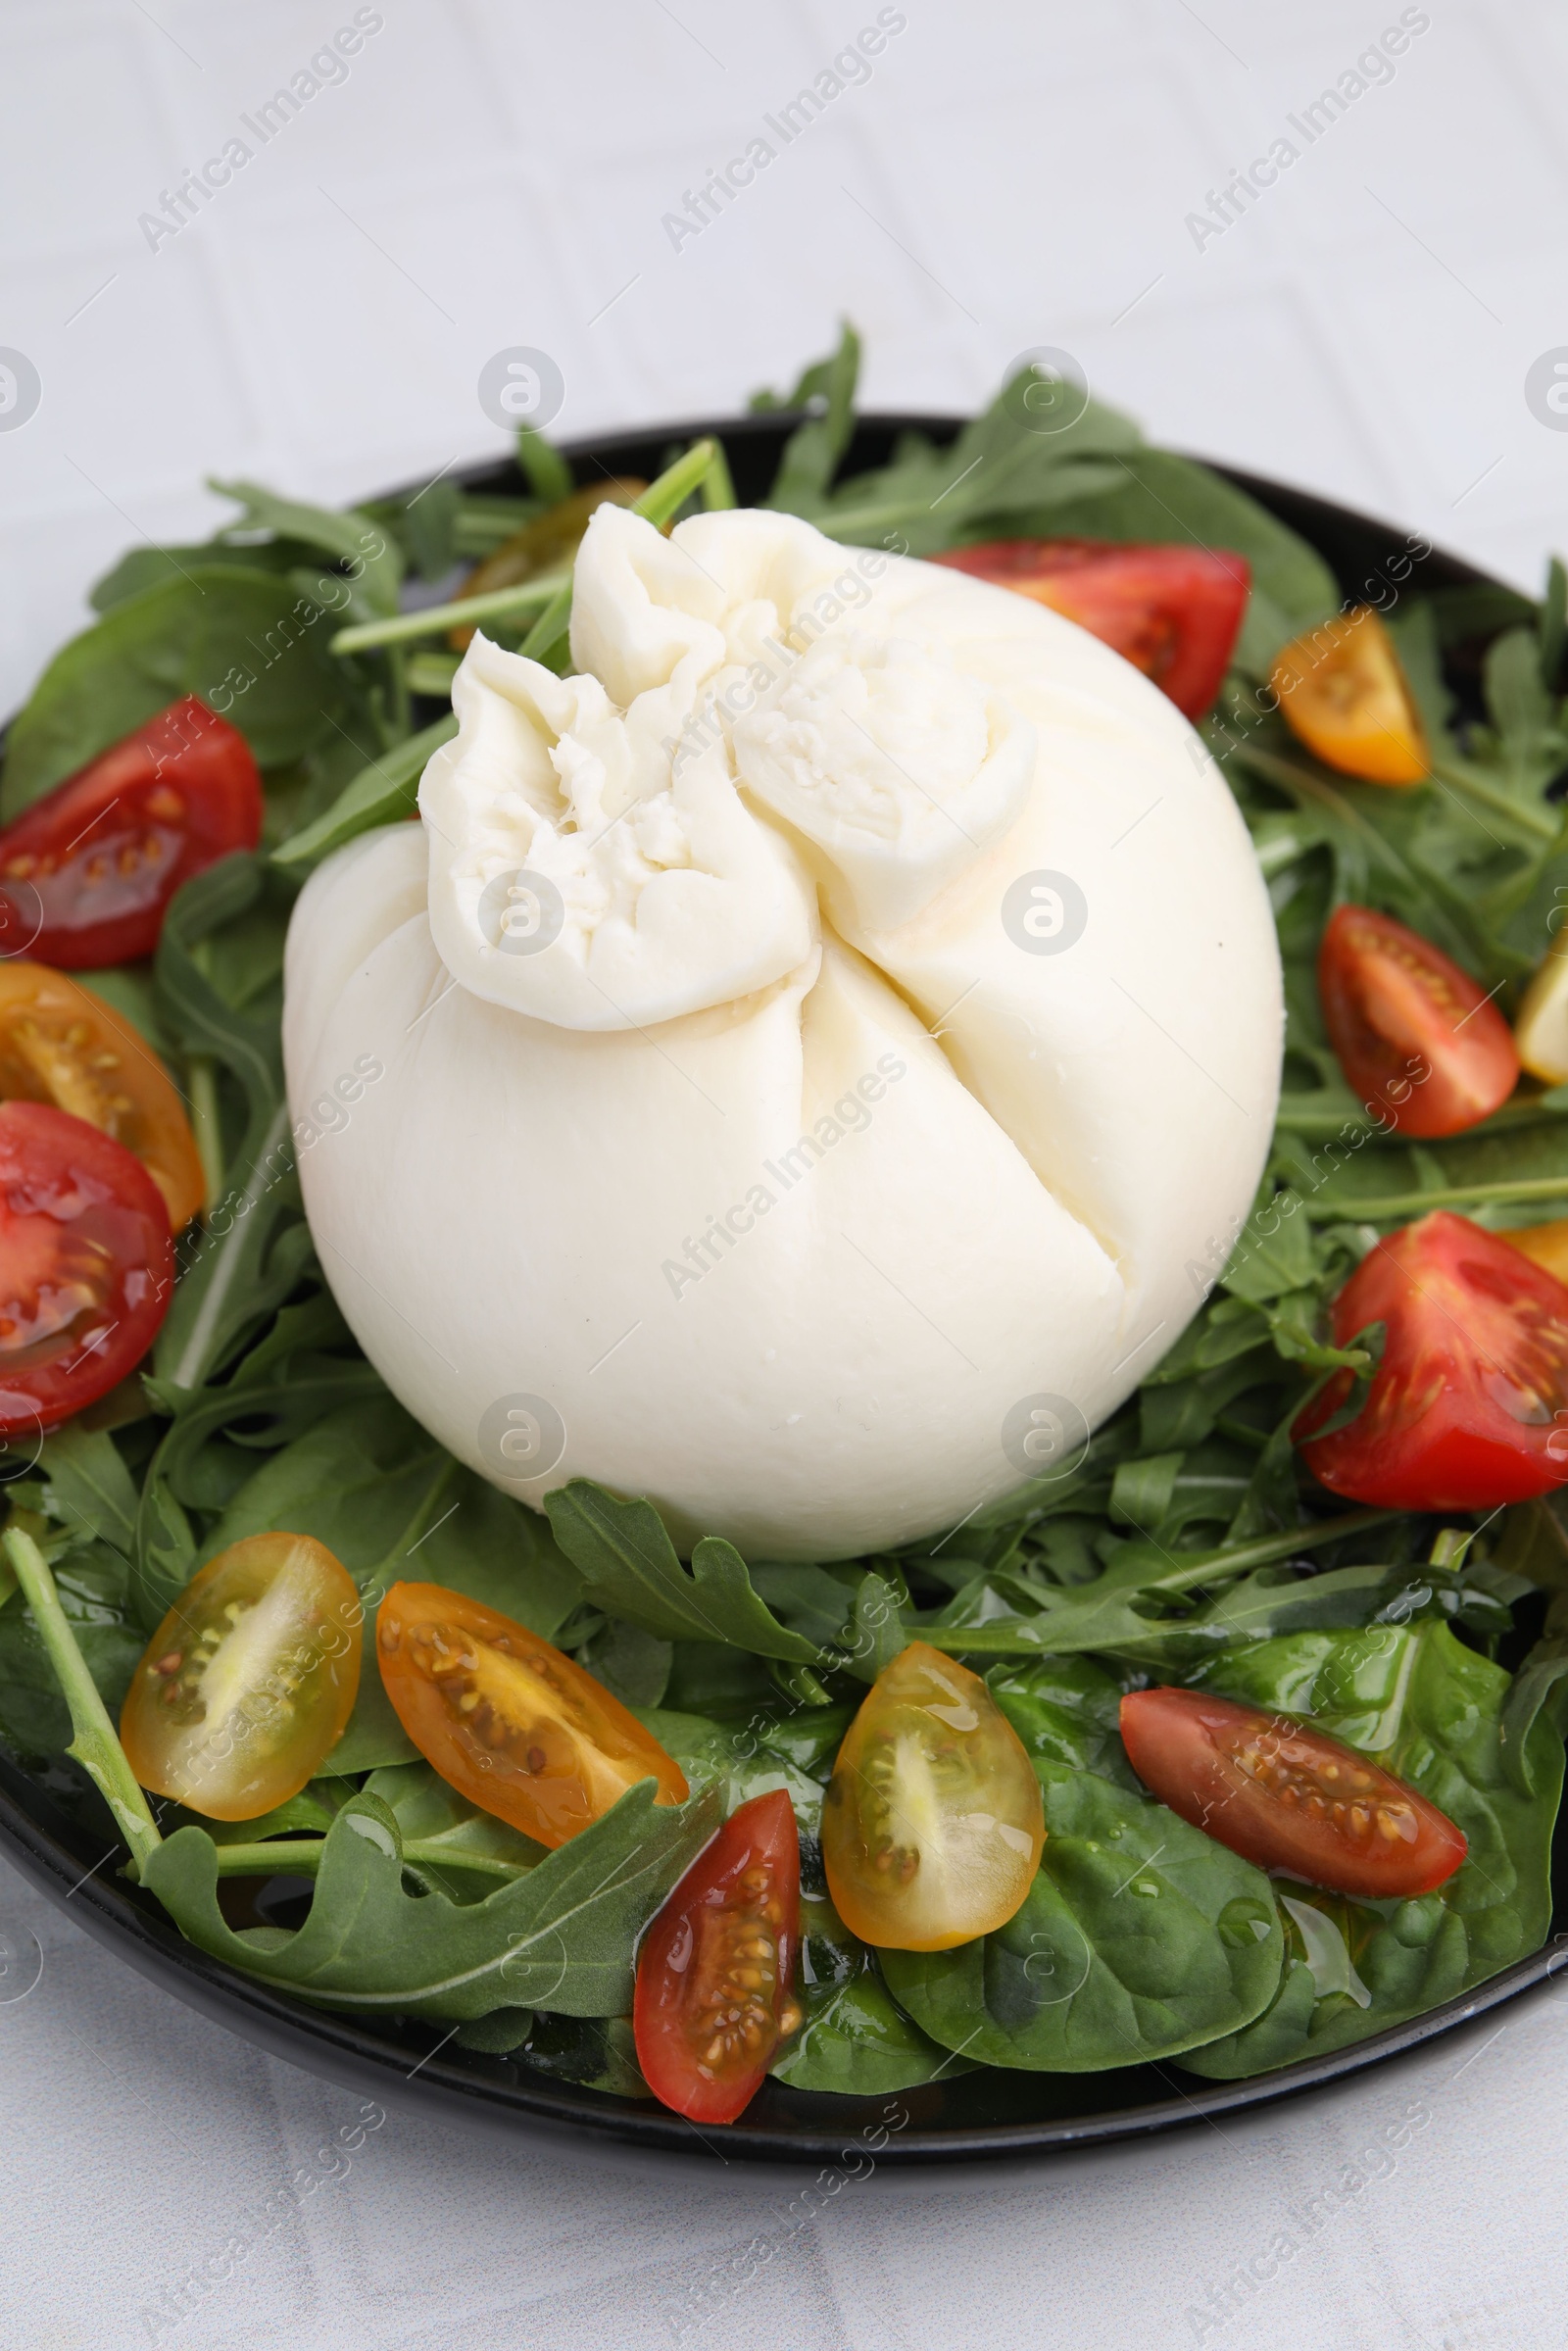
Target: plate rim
[(328, 2045)]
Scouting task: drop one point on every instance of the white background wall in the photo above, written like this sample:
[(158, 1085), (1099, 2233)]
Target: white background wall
[(1016, 171)]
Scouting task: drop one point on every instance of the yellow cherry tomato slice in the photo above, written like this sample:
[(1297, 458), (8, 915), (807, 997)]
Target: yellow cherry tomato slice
[(60, 1044), (507, 1721), (932, 1826), (1344, 694), (248, 1681), (1541, 1031), (1545, 1244)]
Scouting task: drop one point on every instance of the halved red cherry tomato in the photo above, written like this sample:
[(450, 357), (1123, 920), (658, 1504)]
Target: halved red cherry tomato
[(1172, 611), (933, 1824), (1287, 1796), (507, 1721), (1344, 694), (248, 1682), (87, 871), (86, 1265), (1415, 1036), (1468, 1407), (713, 1975), (60, 1044)]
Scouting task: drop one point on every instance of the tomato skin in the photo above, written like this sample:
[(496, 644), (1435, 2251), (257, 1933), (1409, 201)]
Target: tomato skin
[(1343, 694), (1287, 1797), (61, 1043), (714, 1970), (87, 873), (247, 1684), (1173, 612), (1415, 1036), (933, 1821), (541, 1744), (86, 1265), (1469, 1406)]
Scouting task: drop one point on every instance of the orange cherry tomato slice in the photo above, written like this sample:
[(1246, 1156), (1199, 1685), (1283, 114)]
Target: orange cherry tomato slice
[(1343, 694), (933, 1823), (1415, 1036), (1468, 1407), (59, 1044), (713, 1975), (1173, 612), (1287, 1796), (507, 1721), (86, 1265), (248, 1682), (88, 870)]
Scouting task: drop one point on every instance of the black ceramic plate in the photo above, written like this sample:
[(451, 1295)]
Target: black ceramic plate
[(47, 1832)]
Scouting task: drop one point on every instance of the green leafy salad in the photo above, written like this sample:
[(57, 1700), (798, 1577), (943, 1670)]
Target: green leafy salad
[(1257, 1529)]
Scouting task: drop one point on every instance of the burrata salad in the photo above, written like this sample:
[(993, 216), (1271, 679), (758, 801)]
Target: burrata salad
[(782, 1268)]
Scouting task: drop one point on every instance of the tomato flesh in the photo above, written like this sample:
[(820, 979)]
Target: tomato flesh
[(1468, 1407), (507, 1721), (933, 1823), (1173, 612), (713, 1975), (1344, 694), (86, 1265), (1415, 1036), (247, 1684), (88, 870), (59, 1044), (1287, 1796)]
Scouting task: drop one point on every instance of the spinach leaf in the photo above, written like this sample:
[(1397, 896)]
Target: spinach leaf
[(752, 1762), (449, 1845), (596, 2052), (856, 2039), (374, 559), (560, 1938), (1073, 1984), (629, 1567), (1140, 1936), (1431, 1712), (247, 642)]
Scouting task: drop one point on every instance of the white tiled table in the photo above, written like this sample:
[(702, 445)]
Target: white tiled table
[(1016, 172)]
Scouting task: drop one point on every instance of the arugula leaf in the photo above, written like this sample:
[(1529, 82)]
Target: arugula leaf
[(1140, 1936), (1429, 1711), (813, 452), (856, 2039), (449, 1845), (88, 1486), (747, 1762), (629, 1567), (244, 640), (379, 794), (559, 1938)]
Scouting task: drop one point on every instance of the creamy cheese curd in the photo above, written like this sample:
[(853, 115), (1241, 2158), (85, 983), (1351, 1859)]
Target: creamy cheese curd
[(829, 1044)]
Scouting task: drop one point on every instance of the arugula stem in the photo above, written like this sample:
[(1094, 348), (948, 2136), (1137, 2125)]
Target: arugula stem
[(660, 502), (1377, 1206), (301, 1857), (432, 619), (1500, 802), (189, 1372), (206, 1126), (1188, 1572), (94, 1742)]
